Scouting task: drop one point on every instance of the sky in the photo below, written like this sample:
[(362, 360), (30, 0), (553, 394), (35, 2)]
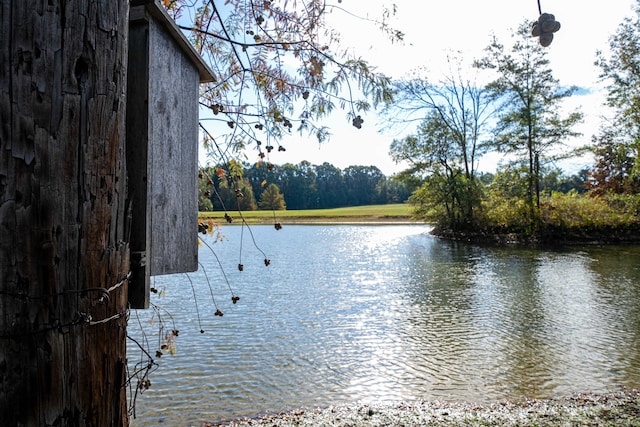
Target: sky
[(435, 29)]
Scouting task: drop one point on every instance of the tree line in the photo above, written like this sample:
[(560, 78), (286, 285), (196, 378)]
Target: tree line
[(519, 113), (302, 186)]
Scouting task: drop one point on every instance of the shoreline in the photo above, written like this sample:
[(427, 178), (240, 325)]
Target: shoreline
[(621, 408), (544, 239), (576, 237)]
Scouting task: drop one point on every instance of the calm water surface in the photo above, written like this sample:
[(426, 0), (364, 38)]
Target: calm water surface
[(356, 313)]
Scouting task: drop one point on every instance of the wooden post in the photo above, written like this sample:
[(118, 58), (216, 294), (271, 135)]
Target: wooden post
[(64, 256)]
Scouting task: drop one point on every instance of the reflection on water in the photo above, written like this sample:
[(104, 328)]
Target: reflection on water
[(350, 313)]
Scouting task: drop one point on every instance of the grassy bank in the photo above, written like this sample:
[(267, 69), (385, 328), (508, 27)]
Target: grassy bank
[(353, 214)]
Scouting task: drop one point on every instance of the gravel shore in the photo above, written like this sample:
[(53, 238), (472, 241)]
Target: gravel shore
[(613, 409)]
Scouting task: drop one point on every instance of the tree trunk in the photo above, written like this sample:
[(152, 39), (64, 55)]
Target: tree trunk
[(62, 212)]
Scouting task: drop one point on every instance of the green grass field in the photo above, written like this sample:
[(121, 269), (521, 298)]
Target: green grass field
[(372, 213)]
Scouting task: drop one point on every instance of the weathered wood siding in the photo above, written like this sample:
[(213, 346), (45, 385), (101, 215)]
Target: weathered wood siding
[(173, 159), (162, 147), (63, 230)]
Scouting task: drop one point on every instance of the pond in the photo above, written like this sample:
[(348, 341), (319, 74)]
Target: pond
[(349, 313)]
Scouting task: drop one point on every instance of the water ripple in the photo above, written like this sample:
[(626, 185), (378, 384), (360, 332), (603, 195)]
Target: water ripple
[(387, 312)]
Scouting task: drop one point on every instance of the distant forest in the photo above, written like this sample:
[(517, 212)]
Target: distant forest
[(307, 186), (304, 186)]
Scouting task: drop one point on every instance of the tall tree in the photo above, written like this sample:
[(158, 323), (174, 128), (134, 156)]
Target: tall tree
[(260, 175), (530, 125), (361, 183), (272, 199), (462, 106), (64, 257), (615, 164), (307, 178), (238, 194), (455, 114), (393, 190), (330, 185), (618, 145), (433, 156)]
